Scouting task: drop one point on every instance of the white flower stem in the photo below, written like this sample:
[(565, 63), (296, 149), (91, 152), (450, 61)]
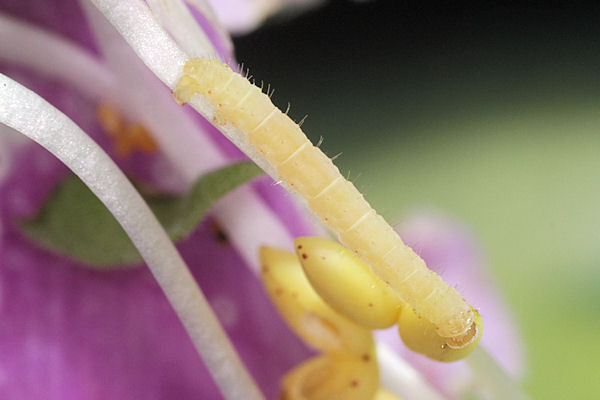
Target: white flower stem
[(176, 18), (492, 377), (206, 10), (29, 114), (401, 378), (43, 51)]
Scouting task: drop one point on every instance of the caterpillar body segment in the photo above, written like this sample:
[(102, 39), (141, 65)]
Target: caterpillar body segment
[(304, 311), (347, 284), (307, 170)]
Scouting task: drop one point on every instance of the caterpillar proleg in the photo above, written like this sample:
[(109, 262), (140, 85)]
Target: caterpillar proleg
[(335, 200)]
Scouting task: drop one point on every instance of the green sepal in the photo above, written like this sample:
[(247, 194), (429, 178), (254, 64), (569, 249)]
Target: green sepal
[(74, 222)]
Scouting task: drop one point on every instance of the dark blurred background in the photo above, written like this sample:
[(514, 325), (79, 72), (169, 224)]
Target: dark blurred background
[(486, 112)]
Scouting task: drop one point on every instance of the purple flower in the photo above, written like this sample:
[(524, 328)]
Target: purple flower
[(67, 331)]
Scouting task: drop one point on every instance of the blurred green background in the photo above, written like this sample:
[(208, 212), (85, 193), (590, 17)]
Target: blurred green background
[(488, 113)]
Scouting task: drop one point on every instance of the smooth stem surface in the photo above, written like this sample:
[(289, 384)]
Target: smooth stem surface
[(495, 379)]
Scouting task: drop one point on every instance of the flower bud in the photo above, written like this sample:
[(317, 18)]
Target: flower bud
[(347, 377), (304, 311), (347, 284)]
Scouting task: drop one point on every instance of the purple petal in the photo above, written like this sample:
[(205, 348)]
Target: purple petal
[(62, 17), (243, 16)]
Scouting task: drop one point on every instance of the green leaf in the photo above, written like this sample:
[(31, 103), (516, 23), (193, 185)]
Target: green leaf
[(75, 223)]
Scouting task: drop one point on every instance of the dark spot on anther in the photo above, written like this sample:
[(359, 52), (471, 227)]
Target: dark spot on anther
[(304, 256), (322, 257), (370, 304), (299, 246), (219, 235), (278, 291), (366, 358), (354, 383), (265, 268)]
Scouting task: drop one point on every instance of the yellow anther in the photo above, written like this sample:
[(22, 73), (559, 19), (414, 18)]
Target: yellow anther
[(385, 395), (421, 336), (333, 377), (304, 311), (347, 284), (127, 138)]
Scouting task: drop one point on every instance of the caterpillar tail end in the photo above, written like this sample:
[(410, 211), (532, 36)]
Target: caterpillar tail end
[(421, 336)]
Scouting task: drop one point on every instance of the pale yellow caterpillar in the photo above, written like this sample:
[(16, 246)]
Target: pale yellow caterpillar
[(307, 170)]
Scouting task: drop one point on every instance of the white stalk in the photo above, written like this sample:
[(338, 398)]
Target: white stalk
[(9, 141), (40, 50), (401, 378), (176, 18), (494, 379), (29, 114), (204, 8), (154, 47)]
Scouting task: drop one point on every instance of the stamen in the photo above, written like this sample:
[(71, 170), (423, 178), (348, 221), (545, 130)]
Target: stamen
[(347, 284), (153, 45), (47, 53), (127, 138), (177, 19), (29, 114), (205, 9), (401, 378), (488, 372)]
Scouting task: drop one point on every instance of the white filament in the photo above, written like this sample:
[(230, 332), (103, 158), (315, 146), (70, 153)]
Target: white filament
[(495, 380), (147, 38), (207, 11), (400, 378), (28, 46), (176, 18), (29, 114)]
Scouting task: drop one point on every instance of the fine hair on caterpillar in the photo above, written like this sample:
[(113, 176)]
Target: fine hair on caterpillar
[(335, 200)]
